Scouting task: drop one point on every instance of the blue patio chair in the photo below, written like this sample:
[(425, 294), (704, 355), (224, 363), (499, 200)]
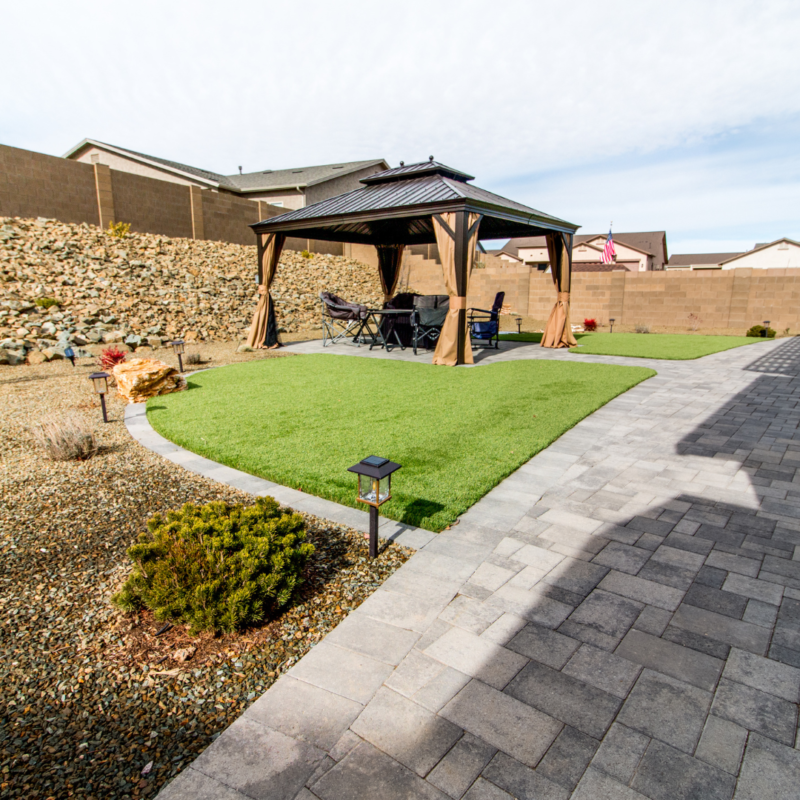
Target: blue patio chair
[(484, 324)]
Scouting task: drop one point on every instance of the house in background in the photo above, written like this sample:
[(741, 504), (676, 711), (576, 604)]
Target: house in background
[(780, 254), (287, 188), (643, 251)]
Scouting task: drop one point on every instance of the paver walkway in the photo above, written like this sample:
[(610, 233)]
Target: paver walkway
[(618, 619)]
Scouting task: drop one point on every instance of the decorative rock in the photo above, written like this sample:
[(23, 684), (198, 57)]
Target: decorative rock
[(141, 378), (36, 357), (52, 354), (154, 341), (4, 357), (112, 337), (133, 340)]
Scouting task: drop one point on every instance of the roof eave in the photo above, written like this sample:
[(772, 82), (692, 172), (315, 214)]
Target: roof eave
[(154, 164), (348, 172)]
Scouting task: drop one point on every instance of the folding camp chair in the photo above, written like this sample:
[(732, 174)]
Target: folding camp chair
[(341, 319), (484, 325), (427, 320)]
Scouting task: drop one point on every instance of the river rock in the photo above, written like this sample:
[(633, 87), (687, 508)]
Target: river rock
[(142, 378)]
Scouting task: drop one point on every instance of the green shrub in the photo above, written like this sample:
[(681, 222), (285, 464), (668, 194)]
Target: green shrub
[(305, 254), (758, 330), (217, 567), (119, 230), (46, 302)]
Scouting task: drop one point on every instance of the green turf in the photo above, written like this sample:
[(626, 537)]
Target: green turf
[(671, 346), (301, 421)]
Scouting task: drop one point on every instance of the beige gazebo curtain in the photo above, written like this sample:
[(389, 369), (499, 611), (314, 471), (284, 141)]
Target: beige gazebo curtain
[(390, 257), (447, 346), (558, 331), (263, 330)]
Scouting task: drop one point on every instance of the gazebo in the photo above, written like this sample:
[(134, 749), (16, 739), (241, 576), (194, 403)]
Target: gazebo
[(411, 204)]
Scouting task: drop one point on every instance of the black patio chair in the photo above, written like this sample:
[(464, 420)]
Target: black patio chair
[(341, 319), (484, 324), (427, 320)]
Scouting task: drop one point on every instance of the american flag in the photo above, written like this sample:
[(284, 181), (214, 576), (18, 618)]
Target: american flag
[(609, 254)]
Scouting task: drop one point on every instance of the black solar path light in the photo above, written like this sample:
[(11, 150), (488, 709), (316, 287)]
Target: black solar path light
[(518, 320), (374, 489), (179, 347), (611, 322), (766, 329), (100, 381)]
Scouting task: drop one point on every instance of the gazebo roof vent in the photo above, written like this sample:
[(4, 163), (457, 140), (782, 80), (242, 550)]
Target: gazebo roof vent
[(423, 169)]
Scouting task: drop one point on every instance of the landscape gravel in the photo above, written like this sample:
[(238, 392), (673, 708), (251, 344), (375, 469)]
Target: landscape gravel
[(97, 704)]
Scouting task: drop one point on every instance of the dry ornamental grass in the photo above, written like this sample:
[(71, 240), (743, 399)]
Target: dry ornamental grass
[(66, 438)]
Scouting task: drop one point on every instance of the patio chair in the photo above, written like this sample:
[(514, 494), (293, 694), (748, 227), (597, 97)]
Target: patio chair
[(340, 319), (484, 324), (427, 320)]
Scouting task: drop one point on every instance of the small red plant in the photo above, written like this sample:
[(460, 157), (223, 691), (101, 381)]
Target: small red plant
[(590, 324), (110, 357)]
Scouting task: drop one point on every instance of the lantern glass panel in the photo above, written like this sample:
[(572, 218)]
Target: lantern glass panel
[(366, 491), (384, 489), (100, 385), (179, 347)]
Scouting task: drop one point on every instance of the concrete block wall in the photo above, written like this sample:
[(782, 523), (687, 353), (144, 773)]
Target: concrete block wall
[(733, 299), (35, 185), (152, 206)]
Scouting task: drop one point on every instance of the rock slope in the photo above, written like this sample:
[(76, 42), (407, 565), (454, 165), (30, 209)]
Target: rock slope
[(145, 289)]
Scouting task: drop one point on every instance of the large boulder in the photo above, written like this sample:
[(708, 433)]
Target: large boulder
[(141, 378)]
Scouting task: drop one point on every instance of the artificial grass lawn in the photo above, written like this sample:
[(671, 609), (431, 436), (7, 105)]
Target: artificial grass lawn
[(301, 421), (670, 346)]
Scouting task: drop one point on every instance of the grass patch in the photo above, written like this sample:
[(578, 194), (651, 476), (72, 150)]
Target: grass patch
[(669, 346), (302, 421)]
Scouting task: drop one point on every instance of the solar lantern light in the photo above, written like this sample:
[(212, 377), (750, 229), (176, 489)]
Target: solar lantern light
[(180, 348), (611, 322), (100, 381), (374, 489), (766, 328), (70, 354), (518, 320)]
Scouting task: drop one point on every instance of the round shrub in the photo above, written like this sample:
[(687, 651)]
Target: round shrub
[(217, 567), (758, 331)]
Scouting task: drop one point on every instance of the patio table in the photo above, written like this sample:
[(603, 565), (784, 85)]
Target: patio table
[(372, 327)]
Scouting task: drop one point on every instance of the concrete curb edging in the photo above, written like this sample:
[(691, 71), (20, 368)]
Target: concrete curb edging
[(140, 429)]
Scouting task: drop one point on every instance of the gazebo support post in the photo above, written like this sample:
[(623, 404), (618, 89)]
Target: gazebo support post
[(461, 281)]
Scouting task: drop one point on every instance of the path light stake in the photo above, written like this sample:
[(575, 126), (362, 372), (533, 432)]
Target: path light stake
[(611, 322), (374, 489), (518, 320), (179, 347), (100, 381)]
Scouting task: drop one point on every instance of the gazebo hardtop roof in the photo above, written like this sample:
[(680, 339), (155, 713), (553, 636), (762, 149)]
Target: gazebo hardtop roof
[(395, 207)]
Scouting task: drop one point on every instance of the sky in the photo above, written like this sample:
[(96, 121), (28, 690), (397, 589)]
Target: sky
[(680, 116)]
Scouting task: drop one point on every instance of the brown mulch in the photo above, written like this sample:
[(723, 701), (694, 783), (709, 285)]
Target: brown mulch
[(91, 696)]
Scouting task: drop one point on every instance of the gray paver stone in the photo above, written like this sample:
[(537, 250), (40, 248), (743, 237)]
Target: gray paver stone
[(680, 662), (503, 722), (722, 628), (477, 657), (667, 774), (484, 790), (567, 759), (601, 669), (756, 711), (666, 709), (722, 744), (533, 605), (544, 645), (622, 557), (456, 772), (653, 620), (303, 711), (607, 613), (404, 730), (584, 707), (598, 786), (341, 671), (763, 674), (521, 781), (752, 587), (236, 759), (367, 772), (193, 785), (643, 591), (769, 770), (620, 752), (372, 638)]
